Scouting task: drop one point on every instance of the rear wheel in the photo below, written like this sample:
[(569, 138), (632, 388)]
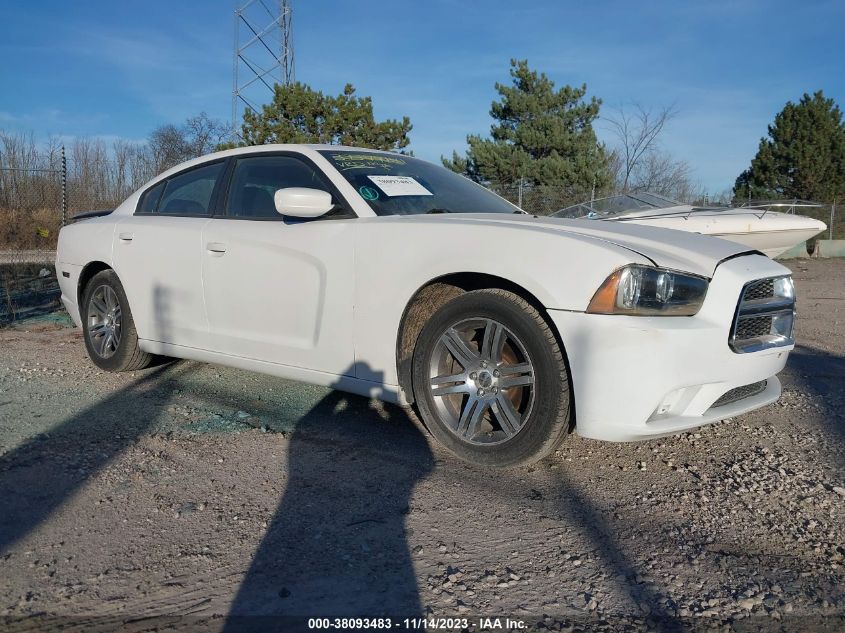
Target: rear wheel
[(490, 379), (108, 327)]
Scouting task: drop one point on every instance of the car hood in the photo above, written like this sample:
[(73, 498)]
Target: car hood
[(677, 250)]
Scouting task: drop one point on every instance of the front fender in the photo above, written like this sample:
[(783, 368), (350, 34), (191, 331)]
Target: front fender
[(395, 257)]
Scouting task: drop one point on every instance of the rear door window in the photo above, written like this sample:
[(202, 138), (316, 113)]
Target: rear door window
[(190, 193)]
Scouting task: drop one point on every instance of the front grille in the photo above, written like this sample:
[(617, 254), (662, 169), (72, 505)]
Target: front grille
[(751, 327), (740, 393), (760, 289), (764, 315)]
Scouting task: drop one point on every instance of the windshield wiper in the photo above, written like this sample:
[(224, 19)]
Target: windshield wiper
[(437, 210)]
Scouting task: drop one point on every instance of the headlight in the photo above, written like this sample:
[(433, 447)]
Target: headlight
[(645, 291)]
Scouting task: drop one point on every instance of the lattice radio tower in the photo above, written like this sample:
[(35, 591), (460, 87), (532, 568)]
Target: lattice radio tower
[(263, 54)]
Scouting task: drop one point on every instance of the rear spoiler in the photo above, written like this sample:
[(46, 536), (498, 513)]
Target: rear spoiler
[(91, 214)]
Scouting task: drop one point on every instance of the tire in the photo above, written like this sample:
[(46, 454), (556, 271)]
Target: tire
[(504, 354), (105, 310)]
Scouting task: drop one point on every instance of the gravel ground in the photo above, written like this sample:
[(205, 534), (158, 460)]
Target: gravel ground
[(200, 491)]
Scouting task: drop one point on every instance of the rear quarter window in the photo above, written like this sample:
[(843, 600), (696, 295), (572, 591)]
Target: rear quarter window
[(149, 199)]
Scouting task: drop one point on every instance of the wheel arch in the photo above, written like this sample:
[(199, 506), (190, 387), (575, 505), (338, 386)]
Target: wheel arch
[(433, 294), (88, 271)]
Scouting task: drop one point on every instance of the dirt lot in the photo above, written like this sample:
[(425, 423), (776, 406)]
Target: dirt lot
[(202, 491)]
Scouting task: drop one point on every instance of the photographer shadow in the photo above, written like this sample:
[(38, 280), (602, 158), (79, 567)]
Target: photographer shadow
[(337, 544)]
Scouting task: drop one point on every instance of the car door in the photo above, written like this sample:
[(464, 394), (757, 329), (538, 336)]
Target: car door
[(158, 256), (280, 289)]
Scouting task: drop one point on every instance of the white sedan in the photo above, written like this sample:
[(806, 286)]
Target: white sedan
[(386, 276)]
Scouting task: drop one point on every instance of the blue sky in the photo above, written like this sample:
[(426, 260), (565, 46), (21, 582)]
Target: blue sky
[(118, 69)]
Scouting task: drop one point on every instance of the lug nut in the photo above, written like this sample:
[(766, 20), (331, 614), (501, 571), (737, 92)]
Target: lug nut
[(484, 363), (480, 392), (473, 376), (496, 373), (494, 390)]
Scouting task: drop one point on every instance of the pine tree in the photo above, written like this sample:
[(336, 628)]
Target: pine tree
[(298, 114), (803, 156), (540, 136)]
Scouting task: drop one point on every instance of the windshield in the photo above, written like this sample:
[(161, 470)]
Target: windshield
[(394, 184), (616, 205)]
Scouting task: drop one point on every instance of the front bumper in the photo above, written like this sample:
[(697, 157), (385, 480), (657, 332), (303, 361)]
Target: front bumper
[(641, 377)]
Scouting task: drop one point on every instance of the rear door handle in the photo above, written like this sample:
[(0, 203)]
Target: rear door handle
[(126, 237), (216, 248)]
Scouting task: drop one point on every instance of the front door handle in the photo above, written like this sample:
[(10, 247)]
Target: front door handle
[(217, 248), (126, 237)]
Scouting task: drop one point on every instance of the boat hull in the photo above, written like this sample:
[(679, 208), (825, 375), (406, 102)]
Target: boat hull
[(771, 233)]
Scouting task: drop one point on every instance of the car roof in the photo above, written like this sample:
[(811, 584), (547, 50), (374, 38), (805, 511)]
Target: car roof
[(276, 147), (304, 148)]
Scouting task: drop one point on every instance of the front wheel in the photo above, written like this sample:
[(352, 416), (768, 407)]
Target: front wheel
[(108, 327), (490, 379)]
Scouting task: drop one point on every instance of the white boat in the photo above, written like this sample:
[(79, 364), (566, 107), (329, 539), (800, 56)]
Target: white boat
[(769, 227)]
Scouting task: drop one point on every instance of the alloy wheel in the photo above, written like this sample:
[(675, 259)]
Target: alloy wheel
[(104, 321), (482, 381)]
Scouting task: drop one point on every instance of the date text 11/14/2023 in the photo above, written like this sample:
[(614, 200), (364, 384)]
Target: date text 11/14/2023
[(418, 624)]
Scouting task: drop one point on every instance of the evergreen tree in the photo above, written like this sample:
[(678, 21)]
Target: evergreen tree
[(803, 156), (540, 136), (298, 114)]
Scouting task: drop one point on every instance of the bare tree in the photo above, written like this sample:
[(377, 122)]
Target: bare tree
[(99, 174), (659, 172), (168, 146), (614, 166), (637, 133), (172, 144), (204, 134)]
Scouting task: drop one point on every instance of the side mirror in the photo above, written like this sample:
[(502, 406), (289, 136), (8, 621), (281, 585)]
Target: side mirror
[(302, 202)]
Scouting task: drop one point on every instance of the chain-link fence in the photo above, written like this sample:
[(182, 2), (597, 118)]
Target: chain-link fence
[(831, 214), (547, 199), (39, 193), (541, 199), (31, 202), (32, 199)]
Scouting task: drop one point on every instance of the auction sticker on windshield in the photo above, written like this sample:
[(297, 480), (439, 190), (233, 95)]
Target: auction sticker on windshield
[(399, 186), (347, 160)]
